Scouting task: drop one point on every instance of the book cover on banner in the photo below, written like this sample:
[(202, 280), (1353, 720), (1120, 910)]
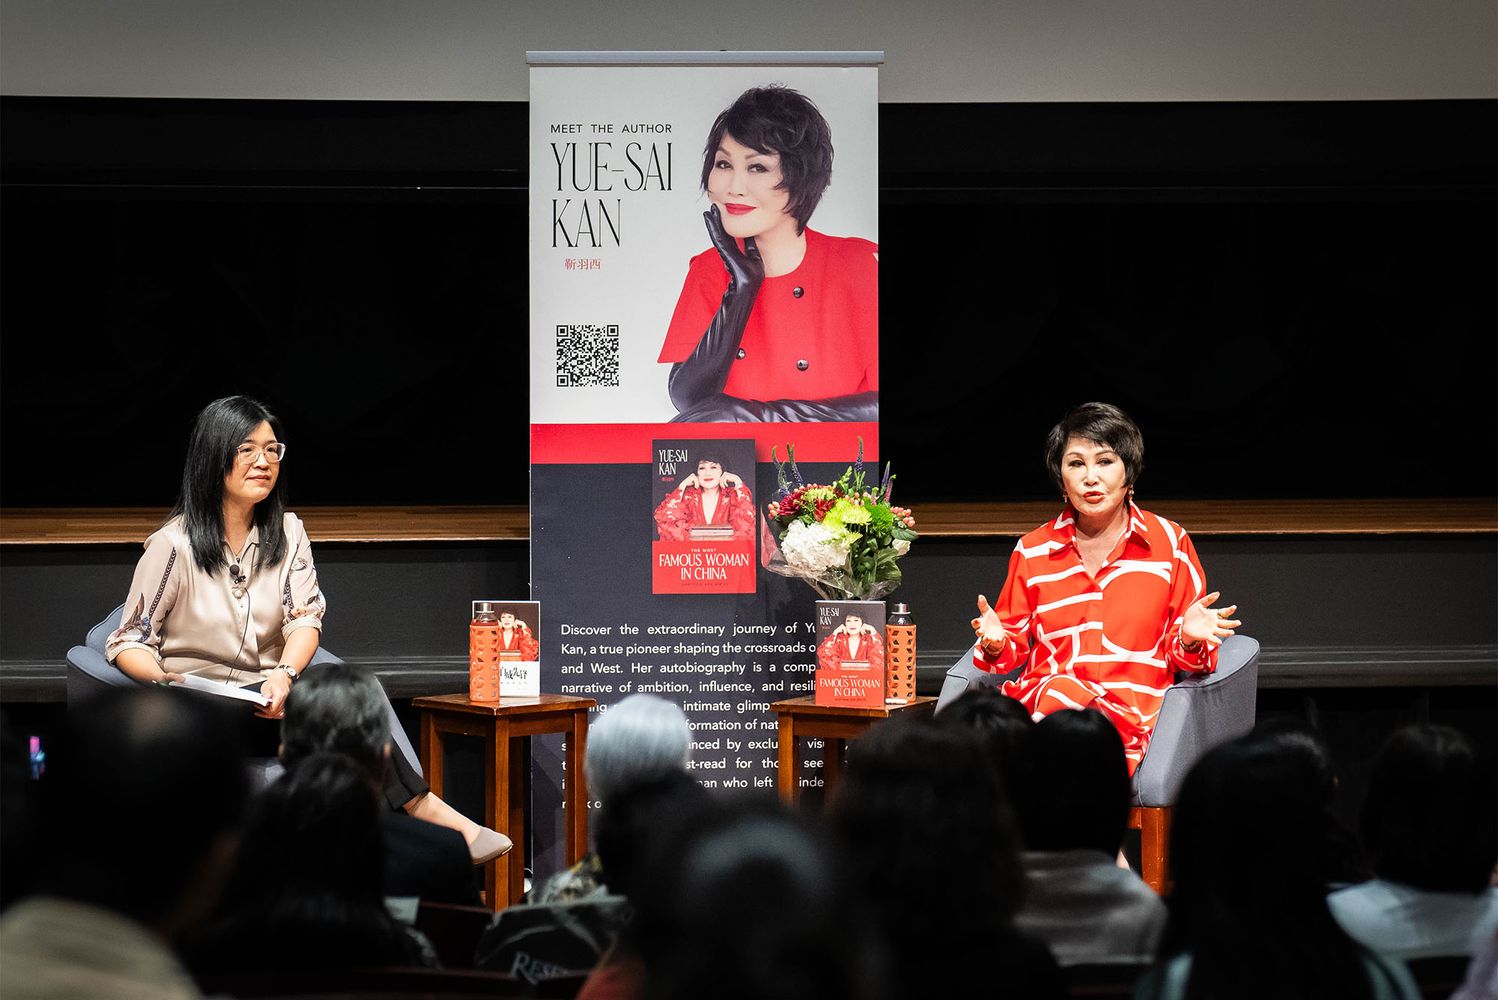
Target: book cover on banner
[(705, 517), (850, 654), (504, 650)]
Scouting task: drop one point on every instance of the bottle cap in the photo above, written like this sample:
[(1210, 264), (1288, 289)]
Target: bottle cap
[(485, 608), (901, 608)]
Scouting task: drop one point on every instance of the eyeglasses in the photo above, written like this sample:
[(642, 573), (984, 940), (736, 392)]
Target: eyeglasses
[(247, 453)]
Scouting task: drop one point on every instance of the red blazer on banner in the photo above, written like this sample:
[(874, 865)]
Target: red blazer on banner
[(813, 334)]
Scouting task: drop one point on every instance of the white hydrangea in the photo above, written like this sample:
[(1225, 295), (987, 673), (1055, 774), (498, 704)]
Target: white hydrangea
[(814, 548), (900, 545)]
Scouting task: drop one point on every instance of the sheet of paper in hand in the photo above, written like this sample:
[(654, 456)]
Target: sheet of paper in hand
[(223, 689)]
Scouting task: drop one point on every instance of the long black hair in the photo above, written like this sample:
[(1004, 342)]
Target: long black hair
[(218, 432)]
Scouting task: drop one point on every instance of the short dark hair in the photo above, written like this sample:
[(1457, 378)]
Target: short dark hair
[(1100, 423), (217, 433), (1002, 722), (337, 708), (148, 764), (714, 457), (1073, 783), (779, 120), (1428, 819)]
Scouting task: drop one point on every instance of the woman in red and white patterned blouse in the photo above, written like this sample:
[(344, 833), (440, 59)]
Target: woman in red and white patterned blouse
[(1103, 605)]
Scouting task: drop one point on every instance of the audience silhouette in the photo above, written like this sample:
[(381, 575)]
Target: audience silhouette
[(1428, 824), (308, 891), (338, 708), (1072, 798), (144, 814), (922, 831), (1249, 917), (970, 855)]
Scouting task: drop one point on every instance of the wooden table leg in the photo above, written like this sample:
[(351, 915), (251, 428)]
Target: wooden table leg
[(576, 804), (431, 752), (832, 763), (514, 808), (496, 803), (785, 741)]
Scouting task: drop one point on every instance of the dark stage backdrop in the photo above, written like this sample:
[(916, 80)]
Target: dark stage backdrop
[(1294, 300)]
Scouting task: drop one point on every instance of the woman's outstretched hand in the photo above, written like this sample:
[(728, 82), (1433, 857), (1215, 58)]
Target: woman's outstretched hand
[(745, 269), (992, 638), (1204, 623)]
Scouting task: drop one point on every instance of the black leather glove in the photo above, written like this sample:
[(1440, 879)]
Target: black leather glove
[(721, 408), (703, 375)]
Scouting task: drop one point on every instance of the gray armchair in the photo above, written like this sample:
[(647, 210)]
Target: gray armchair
[(89, 672), (1199, 712)]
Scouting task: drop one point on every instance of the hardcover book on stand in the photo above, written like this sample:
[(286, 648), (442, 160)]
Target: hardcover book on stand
[(850, 654)]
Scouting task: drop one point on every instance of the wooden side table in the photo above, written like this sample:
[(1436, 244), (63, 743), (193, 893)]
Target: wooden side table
[(502, 724), (803, 717)]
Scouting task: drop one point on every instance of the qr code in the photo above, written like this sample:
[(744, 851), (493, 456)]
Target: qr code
[(587, 355)]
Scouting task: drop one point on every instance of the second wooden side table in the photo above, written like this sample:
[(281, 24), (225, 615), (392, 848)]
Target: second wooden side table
[(502, 724), (804, 718)]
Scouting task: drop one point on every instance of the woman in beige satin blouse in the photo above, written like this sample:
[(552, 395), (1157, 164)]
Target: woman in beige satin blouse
[(227, 591)]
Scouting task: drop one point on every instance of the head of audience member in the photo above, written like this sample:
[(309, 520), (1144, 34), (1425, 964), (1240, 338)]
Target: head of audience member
[(1000, 721), (337, 709), (624, 832), (1301, 738), (311, 875), (1072, 790), (925, 835), (1250, 897), (641, 738), (742, 904), (163, 775), (1428, 818), (1343, 855)]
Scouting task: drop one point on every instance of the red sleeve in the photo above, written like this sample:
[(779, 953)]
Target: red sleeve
[(529, 647), (827, 658), (672, 517), (742, 514), (1015, 612), (868, 328), (1188, 582), (701, 295), (876, 652)]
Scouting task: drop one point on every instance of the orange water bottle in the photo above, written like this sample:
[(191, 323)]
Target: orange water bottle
[(899, 658), (483, 652)]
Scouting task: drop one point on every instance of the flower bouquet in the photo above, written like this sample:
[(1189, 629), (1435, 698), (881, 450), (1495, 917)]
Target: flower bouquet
[(843, 538)]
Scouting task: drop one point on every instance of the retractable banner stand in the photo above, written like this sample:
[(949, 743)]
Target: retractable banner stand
[(704, 290)]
